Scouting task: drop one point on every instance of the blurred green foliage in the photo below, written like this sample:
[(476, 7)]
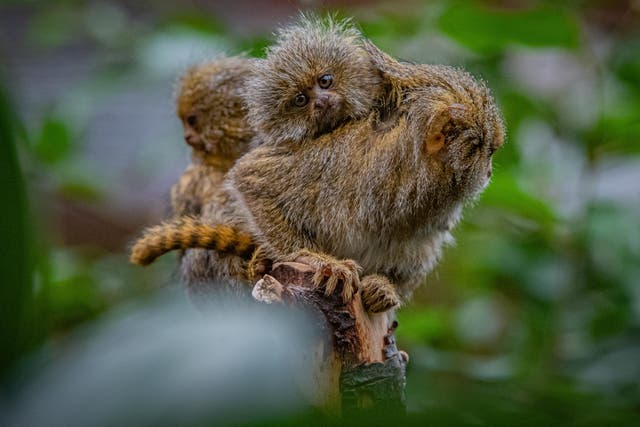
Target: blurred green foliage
[(54, 142), (489, 31), (533, 317), (15, 257)]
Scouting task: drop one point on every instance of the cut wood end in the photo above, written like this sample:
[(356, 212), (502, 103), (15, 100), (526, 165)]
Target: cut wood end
[(267, 290)]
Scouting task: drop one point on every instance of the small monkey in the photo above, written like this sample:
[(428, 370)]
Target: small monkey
[(315, 77), (384, 192), (209, 103), (210, 106)]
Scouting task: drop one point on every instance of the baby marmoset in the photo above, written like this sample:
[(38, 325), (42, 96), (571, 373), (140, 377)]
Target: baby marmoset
[(384, 193), (315, 77), (209, 103)]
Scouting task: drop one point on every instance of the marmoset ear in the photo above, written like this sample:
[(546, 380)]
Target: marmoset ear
[(392, 70), (437, 126)]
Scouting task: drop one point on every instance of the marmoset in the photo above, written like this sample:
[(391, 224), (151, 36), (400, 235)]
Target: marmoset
[(384, 192), (314, 78), (209, 103)]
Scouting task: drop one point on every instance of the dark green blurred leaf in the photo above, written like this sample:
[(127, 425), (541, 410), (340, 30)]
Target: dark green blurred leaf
[(517, 107), (611, 317), (453, 403), (504, 193), (55, 26), (486, 30), (616, 133), (626, 62), (255, 47), (203, 23), (54, 142), (75, 300), (15, 264), (629, 71), (79, 190), (392, 25), (423, 325)]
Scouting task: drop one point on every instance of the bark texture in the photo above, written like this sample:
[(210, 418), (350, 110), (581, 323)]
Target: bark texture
[(357, 364)]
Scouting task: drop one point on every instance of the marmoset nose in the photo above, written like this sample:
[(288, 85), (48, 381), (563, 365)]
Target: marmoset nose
[(321, 102), (193, 140), (190, 136)]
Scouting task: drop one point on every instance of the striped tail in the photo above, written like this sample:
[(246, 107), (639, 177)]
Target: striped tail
[(188, 232)]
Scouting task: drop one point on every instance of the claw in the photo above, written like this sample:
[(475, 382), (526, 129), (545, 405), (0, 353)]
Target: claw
[(347, 293), (330, 271), (332, 283), (378, 294), (318, 277)]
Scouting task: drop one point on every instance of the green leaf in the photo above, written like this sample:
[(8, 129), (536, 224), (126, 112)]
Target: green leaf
[(255, 47), (423, 325), (15, 263), (505, 194), (54, 26), (487, 30), (626, 63), (196, 22), (54, 141), (615, 133), (392, 25), (611, 317), (79, 190)]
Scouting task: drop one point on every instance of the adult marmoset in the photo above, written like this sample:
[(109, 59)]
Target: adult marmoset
[(384, 192)]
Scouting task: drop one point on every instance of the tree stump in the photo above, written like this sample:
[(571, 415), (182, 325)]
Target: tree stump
[(357, 366)]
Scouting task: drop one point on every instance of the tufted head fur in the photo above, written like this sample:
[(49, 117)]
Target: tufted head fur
[(464, 128), (209, 104), (315, 77)]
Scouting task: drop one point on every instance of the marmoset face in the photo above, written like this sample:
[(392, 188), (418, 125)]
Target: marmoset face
[(316, 77)]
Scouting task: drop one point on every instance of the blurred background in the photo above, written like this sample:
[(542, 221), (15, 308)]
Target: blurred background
[(533, 317)]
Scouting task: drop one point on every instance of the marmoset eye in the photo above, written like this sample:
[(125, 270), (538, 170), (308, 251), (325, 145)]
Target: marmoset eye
[(325, 81), (300, 100)]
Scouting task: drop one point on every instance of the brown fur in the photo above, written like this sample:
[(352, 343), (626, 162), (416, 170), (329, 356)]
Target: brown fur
[(210, 106), (378, 293), (384, 193), (209, 103), (303, 53), (207, 272), (185, 232)]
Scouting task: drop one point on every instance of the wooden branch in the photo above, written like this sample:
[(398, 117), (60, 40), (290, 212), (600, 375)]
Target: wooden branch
[(357, 364)]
